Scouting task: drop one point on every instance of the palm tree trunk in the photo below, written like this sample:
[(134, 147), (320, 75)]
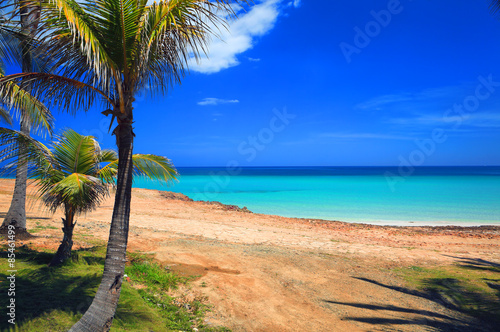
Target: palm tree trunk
[(30, 15), (64, 250), (17, 212), (102, 310)]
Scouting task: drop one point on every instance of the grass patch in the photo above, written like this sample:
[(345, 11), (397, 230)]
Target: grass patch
[(54, 298), (471, 286), (39, 228)]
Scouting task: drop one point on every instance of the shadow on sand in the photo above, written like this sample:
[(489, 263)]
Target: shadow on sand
[(468, 310)]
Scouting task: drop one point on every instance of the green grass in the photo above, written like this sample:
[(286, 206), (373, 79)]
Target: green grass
[(39, 227), (53, 299), (471, 286)]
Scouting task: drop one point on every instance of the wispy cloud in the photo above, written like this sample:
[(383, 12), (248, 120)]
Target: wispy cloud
[(344, 135), (217, 101), (295, 3), (239, 37), (479, 120), (253, 59), (425, 100), (379, 102), (430, 108)]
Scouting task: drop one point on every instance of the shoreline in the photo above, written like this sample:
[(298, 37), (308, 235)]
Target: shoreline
[(445, 225), (442, 225)]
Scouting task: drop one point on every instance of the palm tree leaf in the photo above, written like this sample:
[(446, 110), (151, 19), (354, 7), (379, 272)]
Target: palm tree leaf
[(76, 153), (26, 149), (173, 31), (33, 111), (495, 6), (80, 192), (26, 107), (148, 165), (109, 172), (66, 18), (5, 116), (9, 42), (54, 90), (154, 167)]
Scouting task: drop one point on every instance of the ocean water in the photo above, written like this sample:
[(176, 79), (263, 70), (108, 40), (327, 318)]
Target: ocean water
[(376, 195)]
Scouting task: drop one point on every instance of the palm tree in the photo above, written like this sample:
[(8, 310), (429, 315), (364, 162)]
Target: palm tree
[(111, 49), (15, 44), (75, 175)]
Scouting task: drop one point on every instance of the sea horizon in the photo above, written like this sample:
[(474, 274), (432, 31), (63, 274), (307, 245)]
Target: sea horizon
[(382, 195)]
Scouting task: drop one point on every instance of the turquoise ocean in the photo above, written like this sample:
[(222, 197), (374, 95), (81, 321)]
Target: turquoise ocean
[(377, 195)]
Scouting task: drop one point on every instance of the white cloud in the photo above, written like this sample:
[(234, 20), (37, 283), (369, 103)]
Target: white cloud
[(239, 38), (253, 59), (217, 101), (295, 3)]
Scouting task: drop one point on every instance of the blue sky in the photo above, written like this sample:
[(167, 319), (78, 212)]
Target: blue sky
[(332, 83)]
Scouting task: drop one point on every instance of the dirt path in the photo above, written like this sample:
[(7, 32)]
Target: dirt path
[(269, 273)]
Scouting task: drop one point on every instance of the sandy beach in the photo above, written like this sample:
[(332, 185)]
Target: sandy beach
[(271, 273)]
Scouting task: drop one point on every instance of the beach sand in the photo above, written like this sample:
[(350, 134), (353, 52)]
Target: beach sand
[(271, 273)]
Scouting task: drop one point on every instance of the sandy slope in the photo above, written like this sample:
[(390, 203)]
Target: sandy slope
[(269, 273)]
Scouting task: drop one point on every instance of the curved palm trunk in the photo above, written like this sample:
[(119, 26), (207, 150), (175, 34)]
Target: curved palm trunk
[(102, 310), (64, 250)]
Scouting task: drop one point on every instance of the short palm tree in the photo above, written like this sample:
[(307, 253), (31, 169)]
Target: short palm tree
[(110, 50), (75, 175)]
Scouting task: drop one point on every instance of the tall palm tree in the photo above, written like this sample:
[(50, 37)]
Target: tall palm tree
[(75, 175), (15, 44), (111, 49)]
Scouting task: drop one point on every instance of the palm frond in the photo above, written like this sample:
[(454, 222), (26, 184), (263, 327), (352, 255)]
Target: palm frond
[(109, 172), (10, 34), (121, 46), (495, 6), (80, 192), (53, 90), (33, 111), (5, 116), (26, 107), (73, 23), (148, 165), (172, 32), (154, 167), (76, 153), (17, 144)]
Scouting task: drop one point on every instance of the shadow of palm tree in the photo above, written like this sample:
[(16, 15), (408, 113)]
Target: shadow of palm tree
[(476, 264), (394, 309), (476, 309), (69, 288), (46, 289)]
